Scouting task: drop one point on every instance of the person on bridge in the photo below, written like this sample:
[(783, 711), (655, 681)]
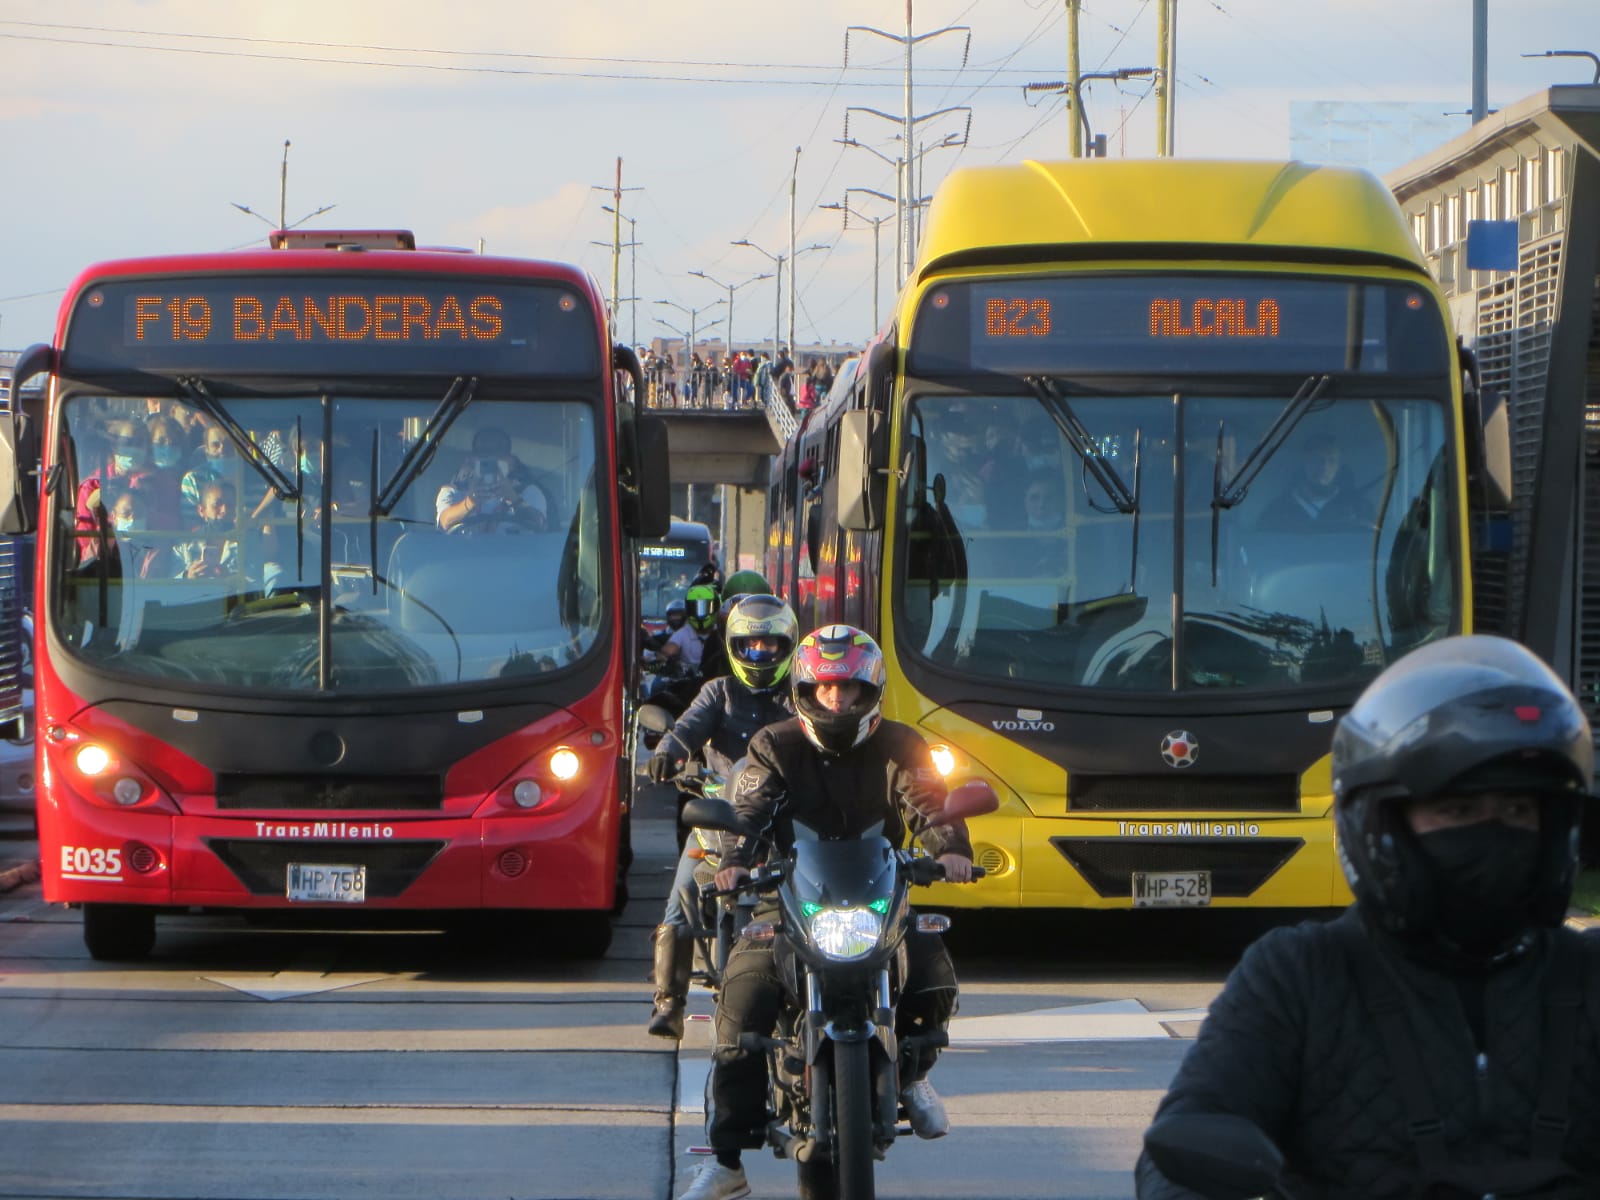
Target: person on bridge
[(841, 768), (718, 724), (1441, 1037)]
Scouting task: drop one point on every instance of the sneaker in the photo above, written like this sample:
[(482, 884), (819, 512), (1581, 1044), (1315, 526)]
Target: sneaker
[(717, 1182), (925, 1110)]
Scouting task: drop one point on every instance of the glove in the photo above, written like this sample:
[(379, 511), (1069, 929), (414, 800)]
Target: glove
[(661, 768)]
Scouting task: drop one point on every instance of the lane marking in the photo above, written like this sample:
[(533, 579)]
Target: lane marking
[(1099, 1021)]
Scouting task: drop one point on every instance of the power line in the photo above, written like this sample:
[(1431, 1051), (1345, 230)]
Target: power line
[(831, 80)]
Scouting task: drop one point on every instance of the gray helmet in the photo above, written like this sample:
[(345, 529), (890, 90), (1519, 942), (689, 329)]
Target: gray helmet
[(1459, 715)]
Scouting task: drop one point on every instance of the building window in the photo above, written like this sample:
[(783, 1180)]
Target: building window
[(1555, 174), (1512, 195)]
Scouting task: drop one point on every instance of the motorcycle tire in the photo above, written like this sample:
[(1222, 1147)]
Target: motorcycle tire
[(849, 1174), (816, 1179)]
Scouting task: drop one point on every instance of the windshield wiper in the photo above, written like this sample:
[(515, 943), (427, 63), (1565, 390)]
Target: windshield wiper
[(200, 395), (1271, 442), (1078, 437), (1234, 491), (454, 403)]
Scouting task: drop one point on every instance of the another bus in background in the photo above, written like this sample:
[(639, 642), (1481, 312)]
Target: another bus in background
[(667, 566), (1138, 496), (330, 587)]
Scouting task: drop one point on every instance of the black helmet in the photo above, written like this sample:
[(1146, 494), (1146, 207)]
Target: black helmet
[(677, 609), (1460, 715)]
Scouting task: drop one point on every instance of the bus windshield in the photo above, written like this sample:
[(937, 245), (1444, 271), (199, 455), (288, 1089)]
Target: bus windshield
[(177, 558), (669, 566), (1021, 562)]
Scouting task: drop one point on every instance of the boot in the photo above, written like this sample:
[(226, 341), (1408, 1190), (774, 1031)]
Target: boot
[(674, 958)]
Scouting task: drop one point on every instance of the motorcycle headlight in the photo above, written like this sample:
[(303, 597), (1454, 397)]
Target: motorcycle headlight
[(845, 933)]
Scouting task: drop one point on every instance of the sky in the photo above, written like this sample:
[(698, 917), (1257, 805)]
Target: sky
[(136, 127)]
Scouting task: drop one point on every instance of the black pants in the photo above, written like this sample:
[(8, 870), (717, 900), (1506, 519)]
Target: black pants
[(751, 998)]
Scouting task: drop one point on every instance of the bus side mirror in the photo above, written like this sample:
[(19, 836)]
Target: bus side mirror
[(655, 478), (862, 481), (19, 450), (1486, 419)]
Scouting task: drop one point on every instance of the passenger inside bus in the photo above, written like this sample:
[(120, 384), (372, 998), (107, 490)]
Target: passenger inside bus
[(492, 492), (1321, 496)]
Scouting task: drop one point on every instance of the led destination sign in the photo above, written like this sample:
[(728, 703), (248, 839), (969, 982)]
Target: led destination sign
[(295, 324), (1161, 323)]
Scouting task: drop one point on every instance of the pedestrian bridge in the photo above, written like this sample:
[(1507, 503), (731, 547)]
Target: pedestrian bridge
[(713, 445)]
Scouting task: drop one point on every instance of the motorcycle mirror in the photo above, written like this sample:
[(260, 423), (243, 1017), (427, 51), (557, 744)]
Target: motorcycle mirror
[(703, 813), (1219, 1155), (654, 718), (970, 799)]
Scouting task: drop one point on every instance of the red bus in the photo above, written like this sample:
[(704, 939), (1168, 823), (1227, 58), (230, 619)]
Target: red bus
[(335, 548)]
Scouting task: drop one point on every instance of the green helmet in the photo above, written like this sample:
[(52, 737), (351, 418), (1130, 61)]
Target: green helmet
[(769, 621), (746, 583), (701, 601)]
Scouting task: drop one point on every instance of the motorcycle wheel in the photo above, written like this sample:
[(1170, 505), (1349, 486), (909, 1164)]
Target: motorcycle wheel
[(817, 1180), (853, 1120)]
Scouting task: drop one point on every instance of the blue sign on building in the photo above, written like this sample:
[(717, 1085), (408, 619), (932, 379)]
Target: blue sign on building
[(1491, 245)]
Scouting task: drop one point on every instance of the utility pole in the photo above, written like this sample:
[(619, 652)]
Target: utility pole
[(908, 122), (615, 209), (1480, 60), (632, 247), (1166, 80), (1096, 144), (794, 177), (1074, 79), (283, 199)]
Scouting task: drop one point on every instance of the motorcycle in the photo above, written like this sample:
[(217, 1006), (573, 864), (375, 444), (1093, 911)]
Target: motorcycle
[(834, 1065), (1221, 1156)]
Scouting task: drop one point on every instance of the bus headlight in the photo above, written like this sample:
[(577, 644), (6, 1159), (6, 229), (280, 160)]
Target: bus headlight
[(91, 759), (527, 793), (127, 790), (564, 763)]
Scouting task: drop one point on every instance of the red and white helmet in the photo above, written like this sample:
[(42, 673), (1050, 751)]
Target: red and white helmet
[(838, 654)]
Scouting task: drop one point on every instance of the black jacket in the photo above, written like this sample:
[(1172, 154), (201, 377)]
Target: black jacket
[(1290, 1045), (721, 720), (889, 778)]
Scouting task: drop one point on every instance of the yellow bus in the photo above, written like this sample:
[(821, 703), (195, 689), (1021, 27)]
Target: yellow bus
[(1153, 467)]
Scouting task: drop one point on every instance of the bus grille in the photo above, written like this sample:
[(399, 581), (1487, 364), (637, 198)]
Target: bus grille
[(330, 793), (1184, 793), (1237, 867), (262, 867)]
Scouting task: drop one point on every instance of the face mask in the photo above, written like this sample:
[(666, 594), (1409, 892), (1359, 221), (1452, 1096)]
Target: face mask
[(1483, 876), (129, 524), (166, 455), (126, 462)]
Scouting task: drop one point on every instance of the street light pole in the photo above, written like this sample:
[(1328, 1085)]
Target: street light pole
[(732, 287), (694, 316), (877, 224)]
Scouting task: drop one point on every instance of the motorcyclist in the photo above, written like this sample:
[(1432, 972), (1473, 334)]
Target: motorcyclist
[(839, 767), (1441, 1037), (676, 616), (686, 646), (760, 639), (714, 660)]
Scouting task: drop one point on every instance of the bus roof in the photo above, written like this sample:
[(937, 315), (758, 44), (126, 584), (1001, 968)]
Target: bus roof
[(1163, 208)]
